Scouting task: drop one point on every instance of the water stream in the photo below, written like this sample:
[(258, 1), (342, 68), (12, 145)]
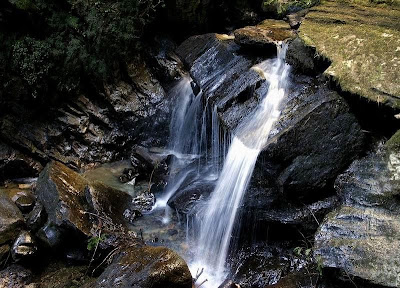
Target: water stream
[(216, 218), (209, 229)]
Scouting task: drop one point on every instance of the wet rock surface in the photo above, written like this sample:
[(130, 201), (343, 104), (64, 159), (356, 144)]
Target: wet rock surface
[(146, 267), (62, 192), (261, 265), (223, 76), (360, 237), (316, 137)]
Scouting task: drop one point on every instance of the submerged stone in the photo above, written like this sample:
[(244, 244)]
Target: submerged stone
[(362, 41)]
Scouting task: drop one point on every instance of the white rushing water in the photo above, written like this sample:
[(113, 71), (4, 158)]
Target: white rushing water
[(216, 218), (185, 141)]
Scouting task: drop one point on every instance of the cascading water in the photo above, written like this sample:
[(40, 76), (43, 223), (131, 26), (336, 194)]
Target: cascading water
[(215, 219), (184, 136)]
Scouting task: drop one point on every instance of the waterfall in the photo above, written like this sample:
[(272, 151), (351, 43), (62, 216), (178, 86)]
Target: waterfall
[(215, 219), (184, 137)]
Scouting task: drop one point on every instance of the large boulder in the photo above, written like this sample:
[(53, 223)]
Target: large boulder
[(76, 204), (316, 138), (361, 237), (362, 42), (146, 267), (62, 192)]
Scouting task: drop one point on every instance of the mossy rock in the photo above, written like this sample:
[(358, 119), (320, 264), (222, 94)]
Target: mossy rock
[(264, 35), (362, 41), (280, 8)]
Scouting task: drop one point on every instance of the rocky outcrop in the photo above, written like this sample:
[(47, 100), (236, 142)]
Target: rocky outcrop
[(304, 59), (362, 42), (146, 267), (94, 128), (361, 237), (317, 137)]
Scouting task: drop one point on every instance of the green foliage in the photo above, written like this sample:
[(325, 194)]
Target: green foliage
[(94, 242), (70, 40), (31, 59), (307, 253), (318, 261), (25, 4)]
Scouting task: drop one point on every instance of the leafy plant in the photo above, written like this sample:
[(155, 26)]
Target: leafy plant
[(94, 242)]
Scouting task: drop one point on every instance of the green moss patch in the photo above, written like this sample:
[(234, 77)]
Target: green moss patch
[(362, 40)]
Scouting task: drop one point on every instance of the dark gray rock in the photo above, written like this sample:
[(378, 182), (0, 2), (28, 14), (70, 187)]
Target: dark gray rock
[(316, 138), (218, 71), (296, 18), (185, 199), (263, 265), (36, 218), (304, 59), (361, 237), (52, 236), (146, 267)]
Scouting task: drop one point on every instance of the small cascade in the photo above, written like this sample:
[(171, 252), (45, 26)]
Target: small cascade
[(185, 139), (189, 140), (215, 219)]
